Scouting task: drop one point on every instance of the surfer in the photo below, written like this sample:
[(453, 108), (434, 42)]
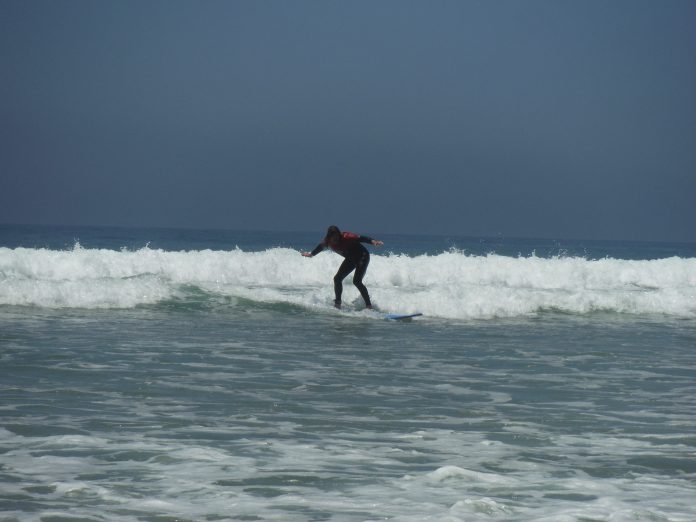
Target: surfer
[(356, 257)]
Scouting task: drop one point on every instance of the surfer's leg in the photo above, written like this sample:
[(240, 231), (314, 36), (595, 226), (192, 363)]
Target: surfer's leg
[(346, 268), (360, 270)]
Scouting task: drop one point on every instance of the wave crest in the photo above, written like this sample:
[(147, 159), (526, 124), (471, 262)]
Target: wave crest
[(448, 285)]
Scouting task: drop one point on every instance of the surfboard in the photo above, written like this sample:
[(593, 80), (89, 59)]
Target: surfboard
[(401, 317)]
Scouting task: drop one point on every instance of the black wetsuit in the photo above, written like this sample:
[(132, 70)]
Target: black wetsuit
[(356, 258)]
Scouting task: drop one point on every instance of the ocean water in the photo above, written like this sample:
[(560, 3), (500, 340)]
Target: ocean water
[(161, 375)]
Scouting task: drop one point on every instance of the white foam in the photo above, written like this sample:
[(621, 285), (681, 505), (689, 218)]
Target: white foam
[(449, 285), (455, 472), (487, 506)]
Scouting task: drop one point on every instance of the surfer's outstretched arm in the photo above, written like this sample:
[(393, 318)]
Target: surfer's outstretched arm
[(321, 246)]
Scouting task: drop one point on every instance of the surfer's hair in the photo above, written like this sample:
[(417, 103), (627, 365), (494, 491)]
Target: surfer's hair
[(332, 232)]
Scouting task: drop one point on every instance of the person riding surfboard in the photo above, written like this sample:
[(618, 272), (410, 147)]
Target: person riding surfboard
[(348, 245)]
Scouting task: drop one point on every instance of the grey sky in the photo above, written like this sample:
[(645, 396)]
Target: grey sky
[(524, 118)]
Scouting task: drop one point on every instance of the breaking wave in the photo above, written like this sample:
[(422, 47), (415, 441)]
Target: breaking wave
[(448, 285)]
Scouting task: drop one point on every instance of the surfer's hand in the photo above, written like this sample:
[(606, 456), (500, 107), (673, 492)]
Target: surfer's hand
[(377, 242), (307, 254)]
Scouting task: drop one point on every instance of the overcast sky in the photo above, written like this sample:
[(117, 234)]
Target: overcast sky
[(556, 119)]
